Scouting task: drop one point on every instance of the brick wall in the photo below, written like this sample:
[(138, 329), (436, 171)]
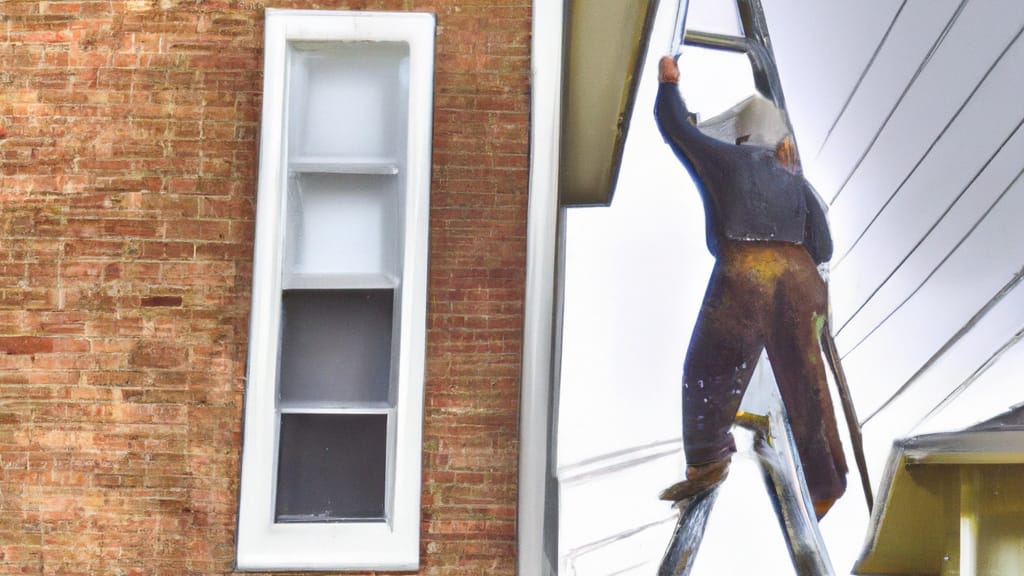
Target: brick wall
[(128, 147)]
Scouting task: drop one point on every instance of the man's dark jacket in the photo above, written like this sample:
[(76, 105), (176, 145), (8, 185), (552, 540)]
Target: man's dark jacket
[(748, 194)]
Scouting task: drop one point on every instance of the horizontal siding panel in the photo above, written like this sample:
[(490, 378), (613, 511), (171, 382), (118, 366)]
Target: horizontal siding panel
[(598, 508), (637, 552), (904, 413), (972, 275), (923, 261), (806, 52), (957, 67), (995, 391), (912, 36), (978, 132)]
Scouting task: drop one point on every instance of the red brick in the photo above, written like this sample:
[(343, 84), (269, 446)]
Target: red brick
[(161, 301), (25, 344)]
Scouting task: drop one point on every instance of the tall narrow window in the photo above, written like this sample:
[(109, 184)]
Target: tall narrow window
[(334, 393)]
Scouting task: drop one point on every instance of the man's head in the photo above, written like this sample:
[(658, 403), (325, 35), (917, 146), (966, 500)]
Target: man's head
[(785, 153)]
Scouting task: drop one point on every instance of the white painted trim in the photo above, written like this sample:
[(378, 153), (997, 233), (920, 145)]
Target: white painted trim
[(538, 324), (394, 544)]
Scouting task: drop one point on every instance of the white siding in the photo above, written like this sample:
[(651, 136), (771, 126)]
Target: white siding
[(923, 171), (908, 118)]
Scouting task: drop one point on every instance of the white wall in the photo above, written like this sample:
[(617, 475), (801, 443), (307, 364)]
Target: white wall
[(916, 142)]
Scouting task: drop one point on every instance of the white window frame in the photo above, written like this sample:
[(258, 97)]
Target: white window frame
[(392, 544)]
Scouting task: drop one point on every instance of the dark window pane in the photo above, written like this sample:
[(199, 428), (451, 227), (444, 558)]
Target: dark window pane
[(336, 346), (331, 467)]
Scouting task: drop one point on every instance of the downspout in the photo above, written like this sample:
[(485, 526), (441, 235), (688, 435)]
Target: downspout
[(539, 307)]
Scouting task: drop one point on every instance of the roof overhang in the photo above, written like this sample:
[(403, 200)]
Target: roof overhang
[(919, 504), (605, 45)]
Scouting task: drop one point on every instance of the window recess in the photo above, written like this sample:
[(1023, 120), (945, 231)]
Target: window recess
[(334, 391)]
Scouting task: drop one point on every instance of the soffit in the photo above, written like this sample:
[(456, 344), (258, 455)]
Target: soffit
[(604, 47)]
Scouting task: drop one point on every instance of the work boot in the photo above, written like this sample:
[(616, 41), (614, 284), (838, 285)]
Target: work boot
[(821, 507), (699, 479)]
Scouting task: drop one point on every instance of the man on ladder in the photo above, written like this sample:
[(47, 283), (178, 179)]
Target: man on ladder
[(766, 228), (767, 231)]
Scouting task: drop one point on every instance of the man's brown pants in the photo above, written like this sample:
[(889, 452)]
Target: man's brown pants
[(763, 295)]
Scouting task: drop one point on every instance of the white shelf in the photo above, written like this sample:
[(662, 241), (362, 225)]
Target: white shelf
[(343, 165), (335, 407), (329, 281)]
